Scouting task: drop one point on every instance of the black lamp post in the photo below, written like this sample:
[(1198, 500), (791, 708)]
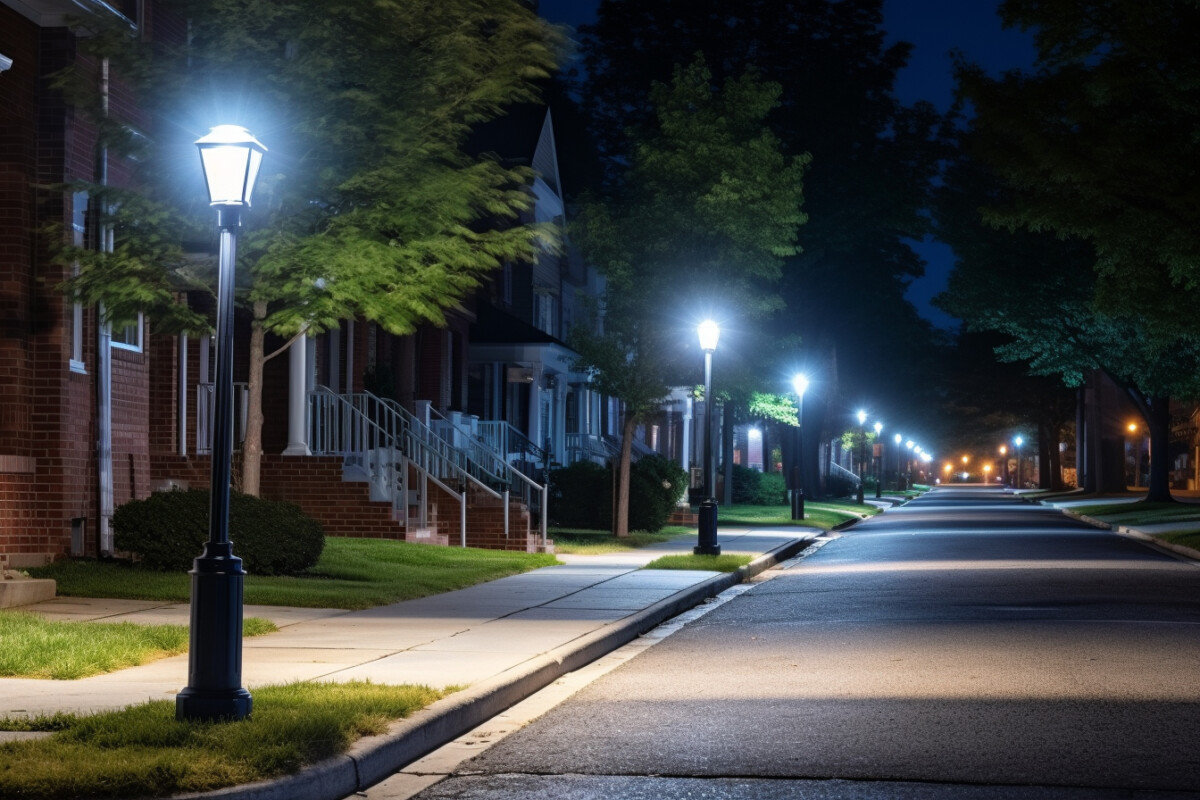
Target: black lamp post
[(862, 444), (879, 461), (800, 384), (707, 535), (1018, 442), (231, 158)]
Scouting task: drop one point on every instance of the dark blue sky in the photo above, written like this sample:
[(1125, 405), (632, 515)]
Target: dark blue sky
[(935, 27)]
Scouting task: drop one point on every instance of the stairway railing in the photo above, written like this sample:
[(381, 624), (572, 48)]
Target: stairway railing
[(383, 440), (494, 446)]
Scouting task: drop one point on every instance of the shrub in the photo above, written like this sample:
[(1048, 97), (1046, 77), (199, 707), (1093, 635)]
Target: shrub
[(656, 484), (757, 488), (167, 530), (581, 494)]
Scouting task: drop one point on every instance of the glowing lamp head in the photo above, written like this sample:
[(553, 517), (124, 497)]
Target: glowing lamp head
[(709, 332), (878, 428), (1018, 441), (231, 158), (800, 384), (862, 417), (897, 439)]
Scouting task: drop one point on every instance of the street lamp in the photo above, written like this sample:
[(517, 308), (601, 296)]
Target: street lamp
[(1018, 442), (878, 461), (1137, 456), (897, 439), (706, 544), (862, 444), (1004, 455), (800, 384), (910, 444), (231, 158)]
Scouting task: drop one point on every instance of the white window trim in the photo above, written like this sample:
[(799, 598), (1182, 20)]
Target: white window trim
[(134, 348)]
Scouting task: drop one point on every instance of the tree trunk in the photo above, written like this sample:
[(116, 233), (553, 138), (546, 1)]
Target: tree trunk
[(1049, 468), (1159, 420), (252, 447), (621, 515)]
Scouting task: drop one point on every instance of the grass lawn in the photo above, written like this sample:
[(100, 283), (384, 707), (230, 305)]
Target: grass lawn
[(144, 752), (1139, 511), (38, 648), (824, 514), (581, 541), (721, 563), (352, 574)]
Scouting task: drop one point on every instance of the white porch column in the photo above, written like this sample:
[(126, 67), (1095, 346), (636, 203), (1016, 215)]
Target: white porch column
[(685, 452), (298, 398)]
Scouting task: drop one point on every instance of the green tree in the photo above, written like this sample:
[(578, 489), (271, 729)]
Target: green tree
[(708, 207), (1039, 292), (369, 205), (1091, 147), (866, 190)]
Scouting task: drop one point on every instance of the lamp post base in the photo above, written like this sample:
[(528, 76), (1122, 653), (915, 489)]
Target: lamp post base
[(707, 538), (214, 690), (797, 504)]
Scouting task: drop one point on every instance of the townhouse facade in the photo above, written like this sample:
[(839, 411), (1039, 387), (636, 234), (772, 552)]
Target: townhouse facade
[(444, 436)]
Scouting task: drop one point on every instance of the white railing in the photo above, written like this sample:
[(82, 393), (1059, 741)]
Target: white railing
[(499, 452), (590, 447), (837, 469), (383, 440), (206, 411)]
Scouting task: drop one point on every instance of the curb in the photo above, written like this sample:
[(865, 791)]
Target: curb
[(1189, 553), (374, 758)]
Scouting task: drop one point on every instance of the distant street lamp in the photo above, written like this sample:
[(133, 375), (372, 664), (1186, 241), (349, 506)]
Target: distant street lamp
[(706, 543), (1018, 442), (862, 443), (897, 439), (910, 444), (800, 384), (1137, 456), (1004, 455), (879, 461), (231, 158)]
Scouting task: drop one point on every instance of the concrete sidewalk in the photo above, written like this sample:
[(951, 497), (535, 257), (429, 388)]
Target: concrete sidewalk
[(504, 640)]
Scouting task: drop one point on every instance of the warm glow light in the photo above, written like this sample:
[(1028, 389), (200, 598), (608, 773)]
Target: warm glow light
[(946, 469), (231, 158), (709, 332), (987, 468), (1003, 450), (800, 383), (1133, 427), (965, 459)]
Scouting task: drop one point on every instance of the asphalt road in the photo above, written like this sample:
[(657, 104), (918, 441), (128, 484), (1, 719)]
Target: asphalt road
[(964, 646)]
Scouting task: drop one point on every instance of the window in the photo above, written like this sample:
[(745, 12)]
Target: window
[(128, 335), (79, 202)]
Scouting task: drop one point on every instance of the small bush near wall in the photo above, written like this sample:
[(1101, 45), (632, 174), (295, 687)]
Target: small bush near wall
[(581, 494), (758, 489), (655, 485), (167, 530)]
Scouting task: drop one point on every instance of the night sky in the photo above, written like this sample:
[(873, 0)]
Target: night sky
[(935, 27)]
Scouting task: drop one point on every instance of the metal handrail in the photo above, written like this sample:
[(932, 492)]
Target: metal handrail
[(206, 411), (495, 463), (838, 469), (590, 447), (360, 426)]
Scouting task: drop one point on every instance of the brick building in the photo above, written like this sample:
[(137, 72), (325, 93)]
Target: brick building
[(74, 401)]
